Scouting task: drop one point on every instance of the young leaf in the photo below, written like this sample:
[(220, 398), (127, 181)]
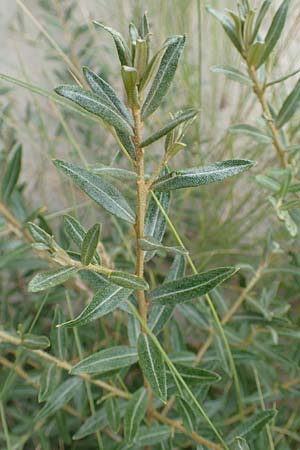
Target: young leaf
[(105, 301), (98, 190), (128, 280), (134, 414), (96, 105), (38, 234), (153, 366), (112, 414), (197, 176), (250, 428), (77, 233), (107, 93), (186, 413), (275, 31), (232, 73), (251, 131), (107, 360), (195, 375), (35, 342), (163, 77), (260, 17), (129, 75), (289, 107), (59, 397), (11, 175), (188, 288), (120, 43), (141, 56), (89, 244), (183, 117), (228, 27), (51, 278)]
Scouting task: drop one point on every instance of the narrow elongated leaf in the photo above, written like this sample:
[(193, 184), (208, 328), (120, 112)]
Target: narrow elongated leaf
[(76, 232), (240, 444), (153, 366), (197, 176), (89, 244), (275, 30), (289, 107), (51, 278), (250, 428), (156, 434), (126, 143), (94, 423), (135, 413), (96, 105), (163, 77), (120, 43), (251, 131), (107, 360), (186, 413), (260, 17), (59, 337), (105, 301), (98, 190), (11, 175), (48, 382), (59, 397), (129, 75), (115, 172), (228, 27), (113, 414), (141, 56), (104, 90), (195, 375), (187, 288), (232, 73), (128, 280), (35, 342), (183, 117), (148, 243), (38, 234)]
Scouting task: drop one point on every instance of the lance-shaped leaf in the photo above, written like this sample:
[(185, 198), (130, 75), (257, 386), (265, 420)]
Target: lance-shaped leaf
[(77, 233), (48, 381), (38, 234), (120, 43), (113, 414), (59, 397), (197, 176), (232, 73), (125, 142), (135, 413), (156, 434), (59, 337), (187, 288), (195, 375), (289, 107), (89, 244), (228, 27), (186, 413), (275, 31), (51, 278), (35, 342), (183, 117), (94, 423), (250, 428), (104, 301), (155, 221), (115, 172), (153, 366), (149, 243), (128, 280), (129, 75), (98, 190), (96, 105), (251, 131), (11, 175), (163, 77), (104, 90), (260, 17), (141, 56), (106, 360)]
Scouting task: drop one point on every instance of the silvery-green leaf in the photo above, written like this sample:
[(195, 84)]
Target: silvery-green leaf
[(58, 336), (250, 427), (289, 107), (141, 57), (98, 190), (115, 172), (11, 174), (107, 360), (35, 342), (219, 171), (129, 75), (275, 31), (260, 17), (195, 375), (59, 397), (133, 330), (149, 243), (144, 28), (125, 142), (186, 413), (188, 288), (113, 414), (48, 381), (128, 280), (228, 27), (104, 301), (150, 69), (134, 414), (96, 105), (153, 366), (104, 90), (38, 234), (155, 434), (120, 43), (94, 423), (240, 444), (251, 131), (155, 222), (89, 244), (182, 117), (164, 76), (51, 278), (232, 73)]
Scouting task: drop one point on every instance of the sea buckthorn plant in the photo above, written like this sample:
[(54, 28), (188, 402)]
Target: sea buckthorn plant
[(138, 349)]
